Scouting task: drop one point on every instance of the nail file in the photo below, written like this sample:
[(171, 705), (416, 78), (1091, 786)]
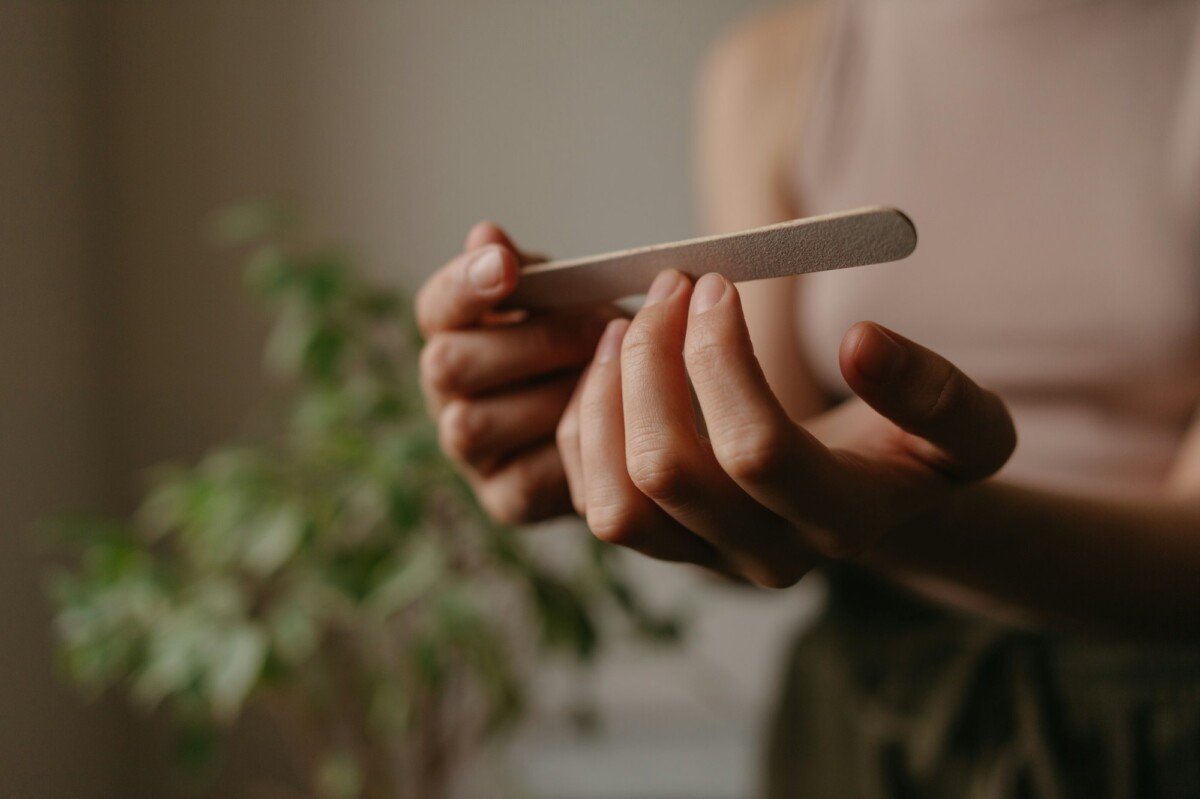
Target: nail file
[(813, 244)]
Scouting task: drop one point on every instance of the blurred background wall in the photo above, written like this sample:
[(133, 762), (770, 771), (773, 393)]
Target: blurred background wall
[(125, 340), (51, 364)]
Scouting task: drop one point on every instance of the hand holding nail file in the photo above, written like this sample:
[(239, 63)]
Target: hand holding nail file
[(814, 244)]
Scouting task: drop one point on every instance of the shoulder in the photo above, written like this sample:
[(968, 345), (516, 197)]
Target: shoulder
[(749, 106), (762, 55)]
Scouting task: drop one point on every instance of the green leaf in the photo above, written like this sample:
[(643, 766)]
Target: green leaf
[(390, 710), (323, 353), (270, 272), (220, 596), (566, 621), (196, 748), (288, 340), (357, 572), (273, 540), (339, 776), (377, 304), (293, 630), (111, 562), (339, 560), (407, 579), (174, 661), (324, 279), (428, 660), (237, 663), (165, 507), (81, 530), (405, 507)]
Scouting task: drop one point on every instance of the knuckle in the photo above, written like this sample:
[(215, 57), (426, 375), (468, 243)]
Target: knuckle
[(550, 342), (845, 544), (499, 508), (441, 364), (704, 344), (461, 429), (508, 501), (638, 346), (433, 400), (775, 576), (429, 316), (751, 456), (545, 339), (422, 312), (659, 473), (566, 435), (613, 523), (578, 502)]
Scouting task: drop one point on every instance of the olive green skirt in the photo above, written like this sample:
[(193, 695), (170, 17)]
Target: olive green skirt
[(888, 696)]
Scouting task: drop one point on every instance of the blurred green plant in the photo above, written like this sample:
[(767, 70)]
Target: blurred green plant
[(339, 572)]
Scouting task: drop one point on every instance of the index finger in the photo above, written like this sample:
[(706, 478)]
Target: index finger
[(773, 460), (462, 291)]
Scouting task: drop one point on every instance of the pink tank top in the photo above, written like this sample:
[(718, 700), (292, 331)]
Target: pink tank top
[(1049, 153)]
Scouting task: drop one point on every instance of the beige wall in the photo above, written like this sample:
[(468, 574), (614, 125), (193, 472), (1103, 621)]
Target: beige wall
[(395, 125), (50, 359)]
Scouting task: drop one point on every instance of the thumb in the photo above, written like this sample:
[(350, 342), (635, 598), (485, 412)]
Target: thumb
[(484, 233), (969, 428)]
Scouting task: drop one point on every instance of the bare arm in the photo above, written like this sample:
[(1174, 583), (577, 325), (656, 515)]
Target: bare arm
[(1123, 565), (899, 478), (1120, 566)]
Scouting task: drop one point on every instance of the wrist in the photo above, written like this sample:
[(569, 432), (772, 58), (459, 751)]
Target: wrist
[(927, 537)]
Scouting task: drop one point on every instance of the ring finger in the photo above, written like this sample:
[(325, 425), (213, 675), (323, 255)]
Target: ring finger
[(617, 512), (483, 431)]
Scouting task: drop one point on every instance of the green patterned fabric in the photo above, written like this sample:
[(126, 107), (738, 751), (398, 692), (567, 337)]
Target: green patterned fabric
[(891, 697)]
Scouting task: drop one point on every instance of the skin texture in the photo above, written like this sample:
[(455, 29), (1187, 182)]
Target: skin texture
[(497, 384), (761, 491), (770, 479)]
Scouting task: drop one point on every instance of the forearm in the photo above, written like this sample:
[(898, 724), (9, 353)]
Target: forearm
[(1124, 566)]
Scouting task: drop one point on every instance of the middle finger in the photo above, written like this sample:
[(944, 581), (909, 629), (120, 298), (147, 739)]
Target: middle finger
[(465, 362), (616, 511), (671, 464), (484, 431)]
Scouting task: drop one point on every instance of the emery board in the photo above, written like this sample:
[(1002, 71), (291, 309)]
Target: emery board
[(813, 244)]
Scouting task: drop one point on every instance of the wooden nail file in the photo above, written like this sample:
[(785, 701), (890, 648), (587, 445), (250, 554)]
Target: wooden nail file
[(814, 244)]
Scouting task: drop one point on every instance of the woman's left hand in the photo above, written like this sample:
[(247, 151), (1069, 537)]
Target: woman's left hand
[(758, 496)]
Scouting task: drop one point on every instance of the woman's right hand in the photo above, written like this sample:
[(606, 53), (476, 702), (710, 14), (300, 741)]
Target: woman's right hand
[(497, 383)]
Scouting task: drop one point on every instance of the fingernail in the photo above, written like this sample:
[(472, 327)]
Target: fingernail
[(486, 271), (610, 341), (709, 291), (662, 286), (879, 357)]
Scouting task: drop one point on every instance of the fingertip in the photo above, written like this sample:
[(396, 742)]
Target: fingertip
[(486, 232), (709, 290), (610, 340), (871, 354), (851, 341), (665, 285)]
